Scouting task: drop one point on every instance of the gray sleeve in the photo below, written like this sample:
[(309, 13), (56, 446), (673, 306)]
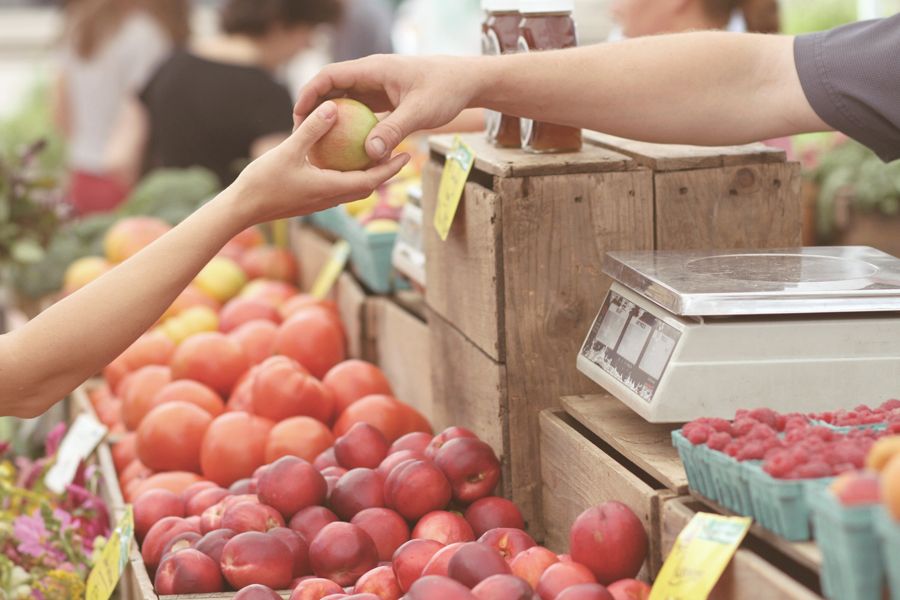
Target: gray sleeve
[(851, 77)]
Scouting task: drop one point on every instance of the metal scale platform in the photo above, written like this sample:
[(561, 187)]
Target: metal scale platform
[(688, 334)]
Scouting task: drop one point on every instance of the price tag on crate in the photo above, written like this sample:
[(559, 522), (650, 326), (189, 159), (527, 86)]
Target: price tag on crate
[(81, 439), (332, 269), (453, 179), (699, 557), (112, 560)]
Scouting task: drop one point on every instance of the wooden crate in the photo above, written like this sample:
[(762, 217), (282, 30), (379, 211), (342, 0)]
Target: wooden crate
[(400, 339), (519, 280)]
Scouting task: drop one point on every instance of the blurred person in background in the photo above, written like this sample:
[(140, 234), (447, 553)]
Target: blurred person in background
[(364, 29), (110, 49), (637, 18), (217, 104)]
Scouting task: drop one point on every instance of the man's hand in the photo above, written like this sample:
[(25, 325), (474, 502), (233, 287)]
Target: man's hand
[(420, 93)]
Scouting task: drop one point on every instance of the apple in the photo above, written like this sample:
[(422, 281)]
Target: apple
[(586, 591), (182, 541), (560, 576), (474, 562), (343, 147), (471, 467), (310, 521), (386, 527), (417, 441), (444, 527), (531, 563), (326, 459), (315, 588), (629, 589), (247, 516), (160, 534), (255, 557), (392, 460), (153, 505), (362, 446), (508, 587), (298, 546), (257, 592), (415, 488), (610, 540), (291, 484), (440, 562), (188, 571), (203, 499), (243, 487), (435, 587), (410, 560), (212, 543), (451, 433), (507, 542), (342, 552), (381, 582), (491, 512), (357, 490)]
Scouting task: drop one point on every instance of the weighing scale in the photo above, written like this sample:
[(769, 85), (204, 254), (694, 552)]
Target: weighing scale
[(685, 334)]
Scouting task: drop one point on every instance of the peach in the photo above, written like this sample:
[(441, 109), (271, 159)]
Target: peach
[(444, 527), (392, 460), (386, 528), (492, 511), (257, 592), (236, 246), (342, 552), (283, 388), (586, 591), (212, 543), (610, 540), (410, 560), (182, 541), (451, 433), (882, 451), (205, 498), (188, 572), (256, 338), (142, 387), (83, 271), (417, 441), (560, 576), (303, 437), (152, 348), (254, 557), (325, 459), (356, 490), (361, 446), (531, 563), (269, 290), (315, 588), (416, 487), (153, 505), (890, 486), (239, 311), (298, 546), (234, 446), (191, 391), (128, 236), (435, 587), (354, 379), (189, 298), (310, 521), (508, 587), (857, 487), (507, 541), (211, 358), (314, 339), (440, 562), (343, 147), (247, 516), (381, 582), (471, 467), (221, 278), (170, 436), (474, 562), (291, 484), (269, 262), (629, 589), (159, 535)]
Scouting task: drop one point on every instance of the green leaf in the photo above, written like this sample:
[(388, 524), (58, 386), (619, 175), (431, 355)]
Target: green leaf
[(27, 251)]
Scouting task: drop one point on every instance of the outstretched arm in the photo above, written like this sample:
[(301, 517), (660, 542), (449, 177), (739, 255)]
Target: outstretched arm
[(48, 357), (706, 88)]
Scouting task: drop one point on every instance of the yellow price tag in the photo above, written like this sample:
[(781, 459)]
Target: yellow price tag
[(332, 269), (453, 180), (699, 557), (113, 557)]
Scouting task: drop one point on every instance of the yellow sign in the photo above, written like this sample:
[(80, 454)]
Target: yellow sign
[(700, 556), (113, 557), (332, 269), (453, 180)]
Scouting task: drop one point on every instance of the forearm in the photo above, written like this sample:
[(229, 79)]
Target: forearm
[(76, 337), (699, 88)]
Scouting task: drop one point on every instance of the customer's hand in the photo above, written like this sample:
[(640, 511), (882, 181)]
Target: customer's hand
[(421, 93), (283, 183)]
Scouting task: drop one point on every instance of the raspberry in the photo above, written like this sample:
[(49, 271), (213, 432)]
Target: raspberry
[(752, 450), (743, 426), (721, 425), (761, 431), (813, 470), (765, 415), (894, 428), (696, 433), (780, 422), (741, 413), (779, 464), (823, 433), (889, 405), (842, 468), (794, 422), (732, 449), (718, 440), (798, 455)]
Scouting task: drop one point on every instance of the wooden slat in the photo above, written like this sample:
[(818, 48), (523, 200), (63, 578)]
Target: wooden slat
[(748, 577), (506, 162), (676, 157), (755, 206), (469, 388), (351, 299), (556, 230), (464, 272), (578, 475), (648, 445), (403, 351), (311, 249)]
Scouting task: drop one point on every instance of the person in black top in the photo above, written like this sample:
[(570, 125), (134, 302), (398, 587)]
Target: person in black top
[(217, 104)]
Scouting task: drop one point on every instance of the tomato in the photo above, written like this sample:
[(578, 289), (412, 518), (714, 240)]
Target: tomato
[(124, 451), (282, 389), (243, 310), (314, 339), (354, 379), (174, 481), (152, 348), (234, 446), (170, 436), (194, 392), (257, 339), (295, 304), (382, 412), (298, 436), (212, 359), (140, 389)]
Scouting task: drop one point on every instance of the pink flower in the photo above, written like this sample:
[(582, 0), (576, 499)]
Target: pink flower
[(34, 538), (54, 439)]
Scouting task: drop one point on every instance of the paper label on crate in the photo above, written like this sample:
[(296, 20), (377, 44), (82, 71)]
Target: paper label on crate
[(453, 180), (329, 274), (699, 557), (112, 560), (81, 439)]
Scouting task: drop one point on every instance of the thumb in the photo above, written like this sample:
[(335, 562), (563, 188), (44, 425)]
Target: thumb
[(313, 127), (392, 130)]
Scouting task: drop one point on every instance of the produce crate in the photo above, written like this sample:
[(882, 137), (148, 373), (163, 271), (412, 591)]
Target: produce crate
[(852, 558), (518, 281), (749, 576), (400, 339), (889, 536)]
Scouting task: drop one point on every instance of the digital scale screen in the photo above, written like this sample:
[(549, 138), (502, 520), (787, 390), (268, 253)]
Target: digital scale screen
[(630, 344)]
